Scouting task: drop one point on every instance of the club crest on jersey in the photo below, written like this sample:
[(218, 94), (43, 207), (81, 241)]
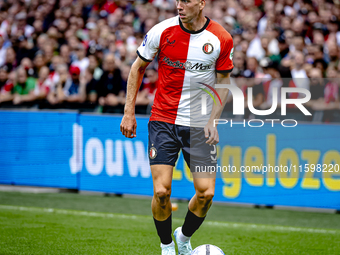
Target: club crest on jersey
[(152, 153), (208, 48), (145, 40)]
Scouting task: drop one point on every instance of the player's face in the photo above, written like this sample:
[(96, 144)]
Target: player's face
[(188, 10)]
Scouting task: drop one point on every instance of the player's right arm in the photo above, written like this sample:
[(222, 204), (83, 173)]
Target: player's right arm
[(146, 53), (128, 125)]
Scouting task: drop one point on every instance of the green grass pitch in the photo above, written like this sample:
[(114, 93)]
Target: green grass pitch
[(84, 224)]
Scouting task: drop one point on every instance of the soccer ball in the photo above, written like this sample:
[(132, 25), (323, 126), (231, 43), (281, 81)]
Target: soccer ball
[(207, 249)]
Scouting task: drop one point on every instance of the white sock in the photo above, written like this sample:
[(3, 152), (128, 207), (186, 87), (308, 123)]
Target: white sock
[(170, 244), (182, 237)]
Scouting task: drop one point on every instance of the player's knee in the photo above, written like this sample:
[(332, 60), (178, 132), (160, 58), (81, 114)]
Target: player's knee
[(205, 197), (163, 194)]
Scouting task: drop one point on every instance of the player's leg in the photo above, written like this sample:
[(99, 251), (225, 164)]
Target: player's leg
[(196, 153), (199, 204), (197, 210), (161, 205), (163, 153), (205, 190)]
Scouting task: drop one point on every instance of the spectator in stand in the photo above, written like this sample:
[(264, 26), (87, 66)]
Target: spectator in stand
[(333, 53), (42, 40), (38, 63), (253, 67), (333, 28), (321, 64), (301, 35), (109, 90), (65, 54), (317, 88), (56, 61), (71, 87), (283, 47), (93, 34), (150, 83), (255, 49), (264, 46), (298, 43), (91, 85), (271, 70), (3, 50), (229, 23), (268, 8), (299, 74), (104, 6), (82, 61), (27, 64), (6, 85), (60, 77), (332, 86), (257, 89), (42, 85), (23, 49), (94, 67), (74, 89), (21, 26), (239, 61), (48, 53), (125, 71), (24, 88), (318, 52)]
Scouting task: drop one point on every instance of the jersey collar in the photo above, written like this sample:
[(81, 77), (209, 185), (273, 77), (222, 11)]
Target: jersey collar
[(194, 32)]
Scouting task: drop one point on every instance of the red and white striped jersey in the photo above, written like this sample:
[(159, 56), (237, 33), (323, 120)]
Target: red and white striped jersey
[(184, 55)]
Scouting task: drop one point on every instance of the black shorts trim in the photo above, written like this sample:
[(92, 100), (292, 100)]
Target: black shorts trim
[(161, 163)]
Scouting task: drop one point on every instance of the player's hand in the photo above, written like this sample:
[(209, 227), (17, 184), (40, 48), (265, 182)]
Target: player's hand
[(211, 133), (128, 126)]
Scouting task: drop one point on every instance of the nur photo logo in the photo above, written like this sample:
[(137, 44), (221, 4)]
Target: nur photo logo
[(239, 102)]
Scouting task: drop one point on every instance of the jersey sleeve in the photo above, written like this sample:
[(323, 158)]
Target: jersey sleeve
[(224, 63), (150, 45)]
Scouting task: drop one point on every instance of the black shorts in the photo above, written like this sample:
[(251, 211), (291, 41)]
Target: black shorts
[(166, 140)]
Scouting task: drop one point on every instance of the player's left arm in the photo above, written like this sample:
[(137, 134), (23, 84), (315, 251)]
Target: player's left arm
[(210, 129)]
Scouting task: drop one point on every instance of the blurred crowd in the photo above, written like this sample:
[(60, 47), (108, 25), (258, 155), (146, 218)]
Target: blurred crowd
[(78, 53)]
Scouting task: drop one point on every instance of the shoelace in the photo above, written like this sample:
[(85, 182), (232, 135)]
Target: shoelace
[(185, 245), (167, 249)]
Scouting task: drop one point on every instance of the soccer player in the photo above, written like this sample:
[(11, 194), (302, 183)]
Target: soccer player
[(190, 47)]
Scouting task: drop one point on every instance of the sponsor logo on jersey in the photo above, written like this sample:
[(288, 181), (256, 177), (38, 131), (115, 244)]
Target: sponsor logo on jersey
[(186, 65), (152, 152), (145, 40), (231, 54), (171, 43), (208, 48)]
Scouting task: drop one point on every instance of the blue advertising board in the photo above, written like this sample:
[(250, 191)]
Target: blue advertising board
[(113, 163), (298, 166), (35, 148)]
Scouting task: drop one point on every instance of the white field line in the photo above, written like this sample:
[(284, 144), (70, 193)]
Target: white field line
[(141, 217)]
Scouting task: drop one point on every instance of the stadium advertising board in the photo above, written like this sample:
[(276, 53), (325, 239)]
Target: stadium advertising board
[(308, 161), (35, 147), (267, 166)]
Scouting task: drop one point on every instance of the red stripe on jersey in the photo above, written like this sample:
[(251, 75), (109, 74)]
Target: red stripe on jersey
[(224, 62), (173, 52)]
